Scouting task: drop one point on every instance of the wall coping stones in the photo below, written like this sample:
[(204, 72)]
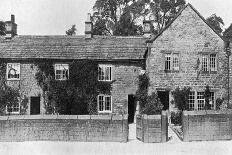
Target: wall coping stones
[(101, 117), (207, 112)]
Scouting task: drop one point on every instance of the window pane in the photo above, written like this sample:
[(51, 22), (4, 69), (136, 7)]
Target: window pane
[(191, 100), (212, 61), (204, 63), (175, 61), (100, 73), (104, 73), (167, 61), (100, 103), (62, 71), (200, 101), (108, 103)]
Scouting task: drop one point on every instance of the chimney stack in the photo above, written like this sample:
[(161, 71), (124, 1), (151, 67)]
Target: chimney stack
[(88, 27), (11, 28)]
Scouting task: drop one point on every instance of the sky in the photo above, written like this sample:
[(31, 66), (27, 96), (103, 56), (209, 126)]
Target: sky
[(54, 17)]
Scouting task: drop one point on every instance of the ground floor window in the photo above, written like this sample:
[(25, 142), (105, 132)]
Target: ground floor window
[(13, 109), (104, 103), (196, 101)]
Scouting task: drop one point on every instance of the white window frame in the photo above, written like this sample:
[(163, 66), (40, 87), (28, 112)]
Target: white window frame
[(104, 67), (172, 62), (104, 104), (209, 63), (13, 112), (7, 70), (58, 65), (198, 100)]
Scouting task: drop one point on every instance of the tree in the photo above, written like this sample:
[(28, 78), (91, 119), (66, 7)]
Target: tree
[(2, 28), (228, 32), (71, 31), (216, 22), (124, 17)]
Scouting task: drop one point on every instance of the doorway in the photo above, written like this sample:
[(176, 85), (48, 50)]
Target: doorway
[(35, 106), (131, 108), (164, 99)]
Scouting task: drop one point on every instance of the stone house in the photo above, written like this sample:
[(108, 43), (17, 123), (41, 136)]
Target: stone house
[(120, 60), (188, 53)]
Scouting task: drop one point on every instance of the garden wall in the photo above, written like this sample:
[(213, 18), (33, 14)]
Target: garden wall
[(152, 128), (207, 125), (85, 128)]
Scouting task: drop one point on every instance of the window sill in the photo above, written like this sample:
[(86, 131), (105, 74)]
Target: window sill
[(171, 71), (13, 79), (105, 80), (104, 112)]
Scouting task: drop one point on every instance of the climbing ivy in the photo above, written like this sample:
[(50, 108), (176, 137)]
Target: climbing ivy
[(76, 95)]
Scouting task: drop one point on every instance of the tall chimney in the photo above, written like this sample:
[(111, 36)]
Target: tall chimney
[(11, 28), (88, 27)]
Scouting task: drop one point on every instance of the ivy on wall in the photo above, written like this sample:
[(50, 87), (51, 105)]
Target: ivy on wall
[(76, 95), (8, 95)]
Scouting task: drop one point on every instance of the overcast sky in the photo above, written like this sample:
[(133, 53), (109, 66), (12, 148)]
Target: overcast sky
[(53, 17)]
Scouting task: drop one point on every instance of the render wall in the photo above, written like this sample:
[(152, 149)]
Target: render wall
[(190, 37)]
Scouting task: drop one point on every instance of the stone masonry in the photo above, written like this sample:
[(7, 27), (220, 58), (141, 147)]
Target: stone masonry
[(190, 37)]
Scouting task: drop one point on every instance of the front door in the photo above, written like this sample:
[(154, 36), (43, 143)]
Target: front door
[(131, 108), (35, 106), (164, 99)]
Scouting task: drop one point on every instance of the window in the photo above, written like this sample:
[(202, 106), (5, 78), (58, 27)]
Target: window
[(167, 62), (104, 103), (198, 102), (13, 109), (61, 71), (13, 71), (172, 62), (209, 63), (191, 100), (104, 73)]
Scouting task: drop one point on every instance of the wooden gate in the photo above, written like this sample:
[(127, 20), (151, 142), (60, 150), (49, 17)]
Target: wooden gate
[(139, 127)]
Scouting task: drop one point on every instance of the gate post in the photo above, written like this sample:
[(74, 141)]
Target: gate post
[(164, 126)]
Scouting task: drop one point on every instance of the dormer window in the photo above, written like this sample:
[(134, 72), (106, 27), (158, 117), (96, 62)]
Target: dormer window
[(13, 71)]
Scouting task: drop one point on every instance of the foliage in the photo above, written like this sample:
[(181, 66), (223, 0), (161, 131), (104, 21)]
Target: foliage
[(181, 97), (123, 17), (176, 117), (149, 104), (153, 105), (8, 95), (228, 32), (71, 31), (219, 102), (207, 98), (216, 22), (78, 94), (2, 28)]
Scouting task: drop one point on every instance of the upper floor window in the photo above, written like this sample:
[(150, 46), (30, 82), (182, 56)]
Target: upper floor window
[(104, 73), (104, 103), (209, 63), (13, 71), (61, 71), (171, 62)]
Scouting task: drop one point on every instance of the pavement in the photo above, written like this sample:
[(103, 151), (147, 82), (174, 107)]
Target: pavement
[(133, 147)]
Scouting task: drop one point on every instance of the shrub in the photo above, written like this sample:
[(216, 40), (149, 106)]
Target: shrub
[(181, 97), (153, 105), (176, 117), (219, 102)]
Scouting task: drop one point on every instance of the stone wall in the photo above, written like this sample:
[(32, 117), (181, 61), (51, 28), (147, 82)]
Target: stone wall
[(207, 125), (83, 128), (190, 37)]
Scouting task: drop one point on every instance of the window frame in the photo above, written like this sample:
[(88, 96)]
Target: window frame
[(197, 100), (210, 62), (104, 104), (61, 75), (7, 71), (173, 64), (104, 66), (13, 112)]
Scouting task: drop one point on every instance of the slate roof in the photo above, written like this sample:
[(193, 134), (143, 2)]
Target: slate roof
[(73, 47)]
